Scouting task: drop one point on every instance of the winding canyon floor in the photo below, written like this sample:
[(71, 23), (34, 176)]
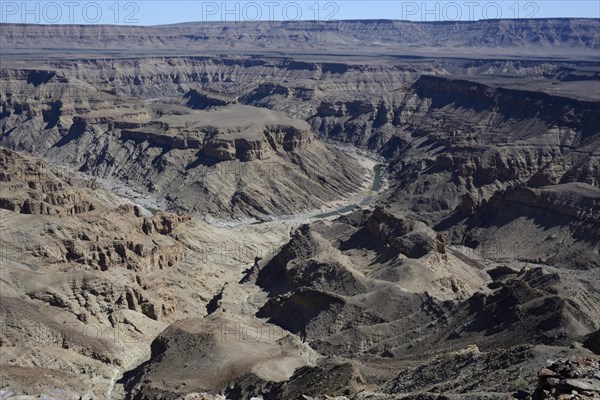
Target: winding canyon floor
[(413, 215)]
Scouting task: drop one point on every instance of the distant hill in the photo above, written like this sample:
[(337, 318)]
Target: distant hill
[(531, 37)]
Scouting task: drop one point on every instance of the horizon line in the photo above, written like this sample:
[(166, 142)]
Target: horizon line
[(302, 21)]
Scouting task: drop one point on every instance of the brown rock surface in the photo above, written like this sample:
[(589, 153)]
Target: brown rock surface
[(476, 267)]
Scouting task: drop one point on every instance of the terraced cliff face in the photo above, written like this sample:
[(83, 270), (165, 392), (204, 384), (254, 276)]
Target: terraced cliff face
[(461, 138), (478, 264), (464, 137), (545, 36), (222, 161)]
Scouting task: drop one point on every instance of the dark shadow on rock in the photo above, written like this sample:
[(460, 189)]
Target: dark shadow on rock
[(362, 238), (450, 221), (593, 342), (132, 377), (201, 160), (214, 303), (75, 131)]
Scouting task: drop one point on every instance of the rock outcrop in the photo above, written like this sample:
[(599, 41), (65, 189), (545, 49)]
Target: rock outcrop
[(571, 379), (29, 188)]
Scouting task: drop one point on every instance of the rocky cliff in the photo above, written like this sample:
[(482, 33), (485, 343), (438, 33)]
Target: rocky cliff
[(177, 145), (478, 263), (358, 36)]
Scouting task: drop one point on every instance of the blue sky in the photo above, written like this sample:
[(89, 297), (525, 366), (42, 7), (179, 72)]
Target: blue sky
[(154, 12)]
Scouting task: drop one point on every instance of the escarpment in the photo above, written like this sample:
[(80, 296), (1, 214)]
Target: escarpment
[(313, 209), (259, 134), (158, 147), (550, 34), (273, 139)]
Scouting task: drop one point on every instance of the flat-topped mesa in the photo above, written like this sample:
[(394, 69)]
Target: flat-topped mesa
[(245, 146), (233, 132), (245, 133)]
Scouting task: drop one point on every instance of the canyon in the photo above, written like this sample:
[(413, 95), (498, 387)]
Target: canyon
[(301, 210)]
